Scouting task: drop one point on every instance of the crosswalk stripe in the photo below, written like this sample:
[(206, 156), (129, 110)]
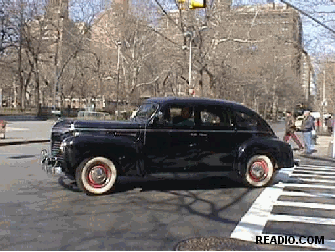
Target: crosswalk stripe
[(316, 166), (311, 175), (282, 185), (316, 172), (317, 180), (304, 194), (312, 169), (303, 219), (253, 222), (305, 204)]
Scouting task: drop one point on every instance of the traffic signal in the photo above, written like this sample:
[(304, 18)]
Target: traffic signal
[(196, 4)]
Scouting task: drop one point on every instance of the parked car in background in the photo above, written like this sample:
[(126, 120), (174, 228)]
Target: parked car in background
[(169, 135), (92, 115)]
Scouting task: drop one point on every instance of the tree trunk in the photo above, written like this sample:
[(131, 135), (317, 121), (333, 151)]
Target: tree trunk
[(274, 106), (37, 88), (265, 110)]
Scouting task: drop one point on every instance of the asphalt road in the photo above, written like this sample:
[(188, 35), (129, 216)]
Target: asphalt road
[(38, 212)]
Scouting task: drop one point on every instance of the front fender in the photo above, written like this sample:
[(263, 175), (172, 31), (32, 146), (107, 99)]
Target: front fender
[(122, 150), (279, 152)]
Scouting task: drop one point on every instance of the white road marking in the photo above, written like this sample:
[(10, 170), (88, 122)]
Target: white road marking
[(303, 219), (319, 172), (305, 204), (304, 194), (316, 166), (312, 168), (317, 180), (311, 175), (253, 222), (282, 185), (297, 194)]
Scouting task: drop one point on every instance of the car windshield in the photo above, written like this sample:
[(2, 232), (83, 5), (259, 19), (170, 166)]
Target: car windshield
[(145, 111)]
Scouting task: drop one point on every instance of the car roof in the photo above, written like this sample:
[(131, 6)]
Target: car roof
[(200, 100)]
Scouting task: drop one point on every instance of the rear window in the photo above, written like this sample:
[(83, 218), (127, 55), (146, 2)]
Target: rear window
[(246, 121)]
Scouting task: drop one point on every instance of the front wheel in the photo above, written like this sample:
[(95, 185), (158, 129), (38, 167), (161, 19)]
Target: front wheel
[(259, 171), (96, 175)]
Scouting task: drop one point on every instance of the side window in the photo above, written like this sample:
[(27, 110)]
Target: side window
[(180, 116), (209, 118), (215, 116), (245, 121)]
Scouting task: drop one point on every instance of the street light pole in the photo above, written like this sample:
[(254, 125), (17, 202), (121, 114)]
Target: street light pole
[(189, 34), (118, 79), (323, 100), (190, 67)]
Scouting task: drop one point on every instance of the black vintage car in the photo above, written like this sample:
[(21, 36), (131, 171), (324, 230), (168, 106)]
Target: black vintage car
[(168, 135)]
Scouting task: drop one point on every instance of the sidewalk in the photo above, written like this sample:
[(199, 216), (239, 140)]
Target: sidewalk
[(23, 132), (322, 148)]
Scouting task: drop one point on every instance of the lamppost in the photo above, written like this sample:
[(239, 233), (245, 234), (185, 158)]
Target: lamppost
[(118, 79), (190, 35)]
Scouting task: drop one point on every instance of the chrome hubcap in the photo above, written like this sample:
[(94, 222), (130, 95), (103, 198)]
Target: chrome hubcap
[(258, 170), (98, 176)]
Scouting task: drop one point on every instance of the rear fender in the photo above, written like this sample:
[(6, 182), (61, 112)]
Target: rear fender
[(268, 147)]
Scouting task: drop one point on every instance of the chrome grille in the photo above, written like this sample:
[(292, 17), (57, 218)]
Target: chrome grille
[(55, 144)]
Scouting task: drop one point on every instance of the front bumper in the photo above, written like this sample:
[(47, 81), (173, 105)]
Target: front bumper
[(50, 164)]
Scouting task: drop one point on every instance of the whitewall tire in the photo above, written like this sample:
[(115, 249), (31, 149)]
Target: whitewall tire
[(96, 175), (259, 171)]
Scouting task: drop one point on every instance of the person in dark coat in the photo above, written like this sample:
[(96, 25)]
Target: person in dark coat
[(329, 125), (290, 130)]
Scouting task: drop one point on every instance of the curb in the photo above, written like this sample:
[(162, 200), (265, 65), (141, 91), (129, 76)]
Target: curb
[(24, 142)]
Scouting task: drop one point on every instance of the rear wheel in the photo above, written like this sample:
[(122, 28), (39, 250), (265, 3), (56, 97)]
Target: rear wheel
[(96, 175), (259, 171)]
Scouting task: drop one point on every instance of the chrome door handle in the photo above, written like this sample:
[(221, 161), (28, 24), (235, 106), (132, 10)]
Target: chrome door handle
[(193, 134), (202, 135)]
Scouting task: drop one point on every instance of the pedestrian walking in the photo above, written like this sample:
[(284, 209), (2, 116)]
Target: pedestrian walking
[(318, 125), (290, 130), (307, 127), (330, 124)]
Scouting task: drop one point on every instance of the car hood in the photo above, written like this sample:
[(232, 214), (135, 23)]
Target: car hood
[(62, 125)]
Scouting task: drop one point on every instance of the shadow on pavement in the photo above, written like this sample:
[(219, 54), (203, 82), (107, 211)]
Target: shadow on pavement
[(22, 156), (125, 184), (167, 184)]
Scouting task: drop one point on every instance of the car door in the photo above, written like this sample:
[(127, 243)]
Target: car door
[(171, 145), (216, 138), (247, 126)]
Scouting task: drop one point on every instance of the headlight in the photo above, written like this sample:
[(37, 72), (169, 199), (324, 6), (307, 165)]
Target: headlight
[(72, 127), (62, 146)]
